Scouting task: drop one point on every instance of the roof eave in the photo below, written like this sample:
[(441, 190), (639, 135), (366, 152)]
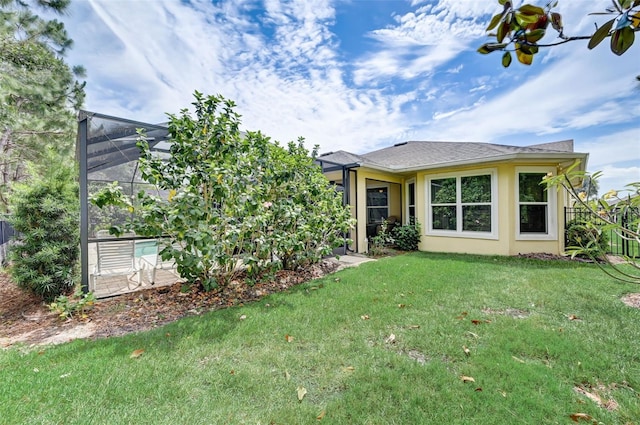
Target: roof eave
[(562, 156)]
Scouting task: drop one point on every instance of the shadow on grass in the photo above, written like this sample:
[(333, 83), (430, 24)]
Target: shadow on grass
[(519, 261)]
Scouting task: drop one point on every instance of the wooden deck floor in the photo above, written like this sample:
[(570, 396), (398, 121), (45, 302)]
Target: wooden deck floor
[(109, 286)]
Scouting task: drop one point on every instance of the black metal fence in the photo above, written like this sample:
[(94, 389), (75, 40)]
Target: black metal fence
[(626, 217), (6, 234)]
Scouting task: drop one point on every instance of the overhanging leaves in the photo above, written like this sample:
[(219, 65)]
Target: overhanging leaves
[(491, 47), (621, 40), (600, 34), (523, 57), (494, 22), (535, 35), (506, 59), (530, 9)]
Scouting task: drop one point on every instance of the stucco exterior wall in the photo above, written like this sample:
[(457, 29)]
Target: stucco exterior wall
[(505, 240)]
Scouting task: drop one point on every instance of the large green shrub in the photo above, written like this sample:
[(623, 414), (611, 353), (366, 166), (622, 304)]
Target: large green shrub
[(45, 216), (235, 199), (586, 235), (407, 237)]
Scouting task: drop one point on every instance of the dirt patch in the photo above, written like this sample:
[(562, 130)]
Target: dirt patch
[(25, 319), (632, 300), (546, 256)]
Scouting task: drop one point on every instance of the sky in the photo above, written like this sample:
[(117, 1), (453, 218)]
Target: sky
[(360, 75)]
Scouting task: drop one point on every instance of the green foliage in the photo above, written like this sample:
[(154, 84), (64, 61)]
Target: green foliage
[(407, 237), (586, 236), (235, 201), (46, 219), (603, 215), (38, 92), (66, 307), (378, 244), (526, 25)]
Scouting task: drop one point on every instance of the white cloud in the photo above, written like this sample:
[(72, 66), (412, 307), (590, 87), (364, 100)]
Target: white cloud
[(573, 92), (288, 86), (283, 66), (617, 178), (423, 40), (615, 147)]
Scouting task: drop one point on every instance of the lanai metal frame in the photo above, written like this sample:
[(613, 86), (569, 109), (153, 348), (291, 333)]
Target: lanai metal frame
[(107, 151)]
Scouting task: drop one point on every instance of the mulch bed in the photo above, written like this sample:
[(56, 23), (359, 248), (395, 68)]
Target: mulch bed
[(25, 319)]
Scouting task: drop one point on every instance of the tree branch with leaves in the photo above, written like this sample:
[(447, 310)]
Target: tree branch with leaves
[(521, 29), (603, 215)]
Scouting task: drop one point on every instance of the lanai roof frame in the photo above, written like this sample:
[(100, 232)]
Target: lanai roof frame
[(105, 143)]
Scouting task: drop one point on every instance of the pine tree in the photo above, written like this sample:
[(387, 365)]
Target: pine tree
[(39, 93)]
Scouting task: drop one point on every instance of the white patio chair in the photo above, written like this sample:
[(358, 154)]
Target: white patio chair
[(154, 262), (116, 258)]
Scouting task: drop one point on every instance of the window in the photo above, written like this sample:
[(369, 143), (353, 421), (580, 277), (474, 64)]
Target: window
[(463, 204), (377, 205), (536, 206), (411, 202)]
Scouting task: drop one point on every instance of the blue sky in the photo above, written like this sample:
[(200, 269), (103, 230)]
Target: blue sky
[(360, 75)]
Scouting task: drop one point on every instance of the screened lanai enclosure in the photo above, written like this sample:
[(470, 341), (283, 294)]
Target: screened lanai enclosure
[(107, 152)]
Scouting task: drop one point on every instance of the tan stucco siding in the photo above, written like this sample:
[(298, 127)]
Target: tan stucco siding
[(508, 242), (395, 201), (365, 177), (504, 239)]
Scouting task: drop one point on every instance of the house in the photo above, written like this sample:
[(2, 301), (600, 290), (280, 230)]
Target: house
[(468, 197)]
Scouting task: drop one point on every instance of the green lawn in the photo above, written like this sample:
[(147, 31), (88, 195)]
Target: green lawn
[(383, 343)]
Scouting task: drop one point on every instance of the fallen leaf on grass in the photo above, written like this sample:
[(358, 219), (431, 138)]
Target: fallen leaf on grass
[(321, 415), (479, 389), (573, 317), (348, 369), (302, 391), (365, 317), (288, 338), (244, 316), (413, 326), (401, 305), (477, 322), (466, 350), (136, 353), (390, 339), (466, 379), (462, 315), (577, 416), (594, 394)]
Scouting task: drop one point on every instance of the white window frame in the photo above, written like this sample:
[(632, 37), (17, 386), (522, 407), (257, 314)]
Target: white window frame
[(552, 207), (408, 197), (378, 186), (430, 231)]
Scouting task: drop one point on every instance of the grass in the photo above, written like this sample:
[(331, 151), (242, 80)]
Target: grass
[(535, 330)]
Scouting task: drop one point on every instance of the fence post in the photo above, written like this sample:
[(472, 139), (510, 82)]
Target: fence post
[(625, 223)]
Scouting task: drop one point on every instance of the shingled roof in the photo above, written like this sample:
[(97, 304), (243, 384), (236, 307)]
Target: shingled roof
[(416, 155)]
